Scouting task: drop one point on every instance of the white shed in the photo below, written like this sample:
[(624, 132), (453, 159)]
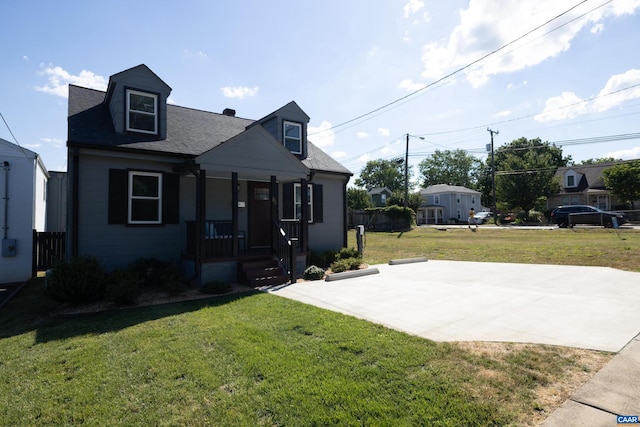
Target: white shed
[(23, 203)]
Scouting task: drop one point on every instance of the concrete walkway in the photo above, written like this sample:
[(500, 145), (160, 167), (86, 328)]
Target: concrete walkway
[(584, 307)]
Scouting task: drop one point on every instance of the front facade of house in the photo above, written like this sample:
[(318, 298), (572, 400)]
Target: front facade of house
[(198, 189), (584, 185), (23, 187), (444, 203)]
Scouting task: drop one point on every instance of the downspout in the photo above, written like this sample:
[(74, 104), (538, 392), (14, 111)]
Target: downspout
[(5, 226)]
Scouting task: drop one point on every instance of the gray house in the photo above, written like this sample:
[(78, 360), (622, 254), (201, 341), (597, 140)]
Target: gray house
[(444, 203), (584, 185), (379, 196), (208, 192)]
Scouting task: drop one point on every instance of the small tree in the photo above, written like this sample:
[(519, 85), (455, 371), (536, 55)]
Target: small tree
[(358, 198), (383, 173), (623, 181)]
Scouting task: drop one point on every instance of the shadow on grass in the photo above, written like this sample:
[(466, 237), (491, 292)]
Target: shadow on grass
[(30, 311)]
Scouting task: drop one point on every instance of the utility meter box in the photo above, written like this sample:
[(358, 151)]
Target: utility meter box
[(9, 247)]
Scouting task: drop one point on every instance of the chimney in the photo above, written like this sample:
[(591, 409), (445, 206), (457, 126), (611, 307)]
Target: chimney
[(229, 112)]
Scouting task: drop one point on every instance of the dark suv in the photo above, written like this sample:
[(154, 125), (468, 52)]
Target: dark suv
[(584, 214)]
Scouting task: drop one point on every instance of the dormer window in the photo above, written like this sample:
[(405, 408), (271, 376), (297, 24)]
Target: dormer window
[(142, 112), (570, 179), (293, 137)]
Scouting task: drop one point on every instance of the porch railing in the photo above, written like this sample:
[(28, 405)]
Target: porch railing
[(218, 238), (286, 246)]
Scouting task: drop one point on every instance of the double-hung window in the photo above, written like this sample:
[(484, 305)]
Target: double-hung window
[(145, 198), (293, 137), (297, 200), (142, 112)]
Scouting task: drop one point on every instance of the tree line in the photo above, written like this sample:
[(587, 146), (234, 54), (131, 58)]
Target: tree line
[(524, 176)]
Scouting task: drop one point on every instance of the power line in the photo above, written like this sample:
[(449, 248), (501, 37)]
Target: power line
[(457, 71)]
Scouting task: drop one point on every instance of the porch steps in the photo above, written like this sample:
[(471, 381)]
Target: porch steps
[(262, 272)]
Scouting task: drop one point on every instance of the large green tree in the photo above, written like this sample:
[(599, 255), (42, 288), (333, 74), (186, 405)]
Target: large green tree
[(623, 181), (525, 172), (358, 198), (383, 173), (453, 167)]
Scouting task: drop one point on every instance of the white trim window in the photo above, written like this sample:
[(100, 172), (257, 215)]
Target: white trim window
[(297, 201), (142, 112), (293, 137), (145, 198)]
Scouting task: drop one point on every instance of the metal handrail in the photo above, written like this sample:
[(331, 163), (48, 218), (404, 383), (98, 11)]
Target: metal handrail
[(285, 249)]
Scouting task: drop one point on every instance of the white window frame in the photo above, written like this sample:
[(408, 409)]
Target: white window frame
[(131, 197), (130, 92), (297, 203), (436, 199), (286, 123)]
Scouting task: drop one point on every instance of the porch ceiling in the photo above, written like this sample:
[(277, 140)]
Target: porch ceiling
[(253, 154)]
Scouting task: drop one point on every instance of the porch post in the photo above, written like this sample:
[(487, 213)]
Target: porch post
[(304, 214), (274, 206), (201, 215), (234, 211)]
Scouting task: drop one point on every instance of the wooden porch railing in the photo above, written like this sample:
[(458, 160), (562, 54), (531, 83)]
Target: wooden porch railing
[(286, 246), (218, 237)]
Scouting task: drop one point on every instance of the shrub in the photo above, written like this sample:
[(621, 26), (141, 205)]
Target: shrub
[(170, 280), (346, 264), (313, 273), (345, 253), (123, 286), (215, 287), (161, 274), (322, 259), (78, 280)]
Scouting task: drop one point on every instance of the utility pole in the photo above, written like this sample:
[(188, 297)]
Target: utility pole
[(406, 174), (493, 176)]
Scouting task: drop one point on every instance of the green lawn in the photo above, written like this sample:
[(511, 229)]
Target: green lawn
[(580, 246), (259, 359)]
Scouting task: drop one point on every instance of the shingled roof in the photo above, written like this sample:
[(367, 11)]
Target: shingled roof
[(190, 132)]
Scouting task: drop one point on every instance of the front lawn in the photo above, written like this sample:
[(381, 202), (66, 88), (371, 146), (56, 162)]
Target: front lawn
[(259, 359)]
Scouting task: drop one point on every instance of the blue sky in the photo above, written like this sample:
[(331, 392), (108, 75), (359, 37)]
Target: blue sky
[(572, 80)]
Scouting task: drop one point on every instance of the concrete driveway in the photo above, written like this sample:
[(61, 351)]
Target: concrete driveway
[(585, 307)]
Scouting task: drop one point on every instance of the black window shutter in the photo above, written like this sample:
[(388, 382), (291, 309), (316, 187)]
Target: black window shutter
[(117, 196), (288, 210), (171, 198), (317, 203)]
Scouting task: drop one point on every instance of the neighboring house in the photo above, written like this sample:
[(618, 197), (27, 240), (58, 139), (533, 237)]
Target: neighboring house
[(23, 189), (443, 203), (199, 189), (584, 185), (379, 196), (57, 201)]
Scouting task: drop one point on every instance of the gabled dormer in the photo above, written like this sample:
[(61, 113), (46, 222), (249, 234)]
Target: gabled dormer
[(137, 101), (288, 125), (571, 179)]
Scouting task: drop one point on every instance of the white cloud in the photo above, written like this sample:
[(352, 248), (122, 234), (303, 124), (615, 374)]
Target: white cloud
[(597, 28), (410, 86), (59, 79), (614, 93), (628, 154), (383, 132), (504, 113), (483, 28), (338, 154), (323, 135), (25, 57), (364, 158), (172, 101), (412, 7), (362, 135), (56, 142), (389, 151), (239, 92), (199, 55), (32, 146)]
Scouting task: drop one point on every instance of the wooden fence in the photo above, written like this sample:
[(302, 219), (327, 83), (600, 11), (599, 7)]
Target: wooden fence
[(48, 247)]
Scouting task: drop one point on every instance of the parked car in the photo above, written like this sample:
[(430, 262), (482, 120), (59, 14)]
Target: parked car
[(584, 214), (482, 217)]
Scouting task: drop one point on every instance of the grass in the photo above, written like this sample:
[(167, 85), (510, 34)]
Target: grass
[(580, 246), (258, 359)]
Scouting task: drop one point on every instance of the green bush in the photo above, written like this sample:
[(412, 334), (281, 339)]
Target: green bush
[(215, 287), (78, 280), (123, 286), (345, 253), (346, 264), (313, 273), (322, 259), (156, 273), (171, 281)]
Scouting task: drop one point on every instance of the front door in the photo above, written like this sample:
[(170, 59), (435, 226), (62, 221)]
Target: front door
[(259, 214)]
